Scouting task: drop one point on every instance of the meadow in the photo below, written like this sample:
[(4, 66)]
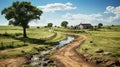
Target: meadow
[(106, 39), (12, 42)]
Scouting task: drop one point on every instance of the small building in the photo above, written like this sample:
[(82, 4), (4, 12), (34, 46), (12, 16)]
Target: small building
[(85, 26)]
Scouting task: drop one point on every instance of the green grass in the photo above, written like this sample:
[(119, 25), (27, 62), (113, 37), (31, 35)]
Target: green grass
[(22, 50), (59, 37), (42, 39), (38, 39), (108, 40)]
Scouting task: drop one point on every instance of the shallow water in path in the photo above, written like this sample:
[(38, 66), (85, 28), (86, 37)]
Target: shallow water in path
[(39, 59)]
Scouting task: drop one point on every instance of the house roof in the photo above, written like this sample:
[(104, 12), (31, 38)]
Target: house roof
[(85, 24)]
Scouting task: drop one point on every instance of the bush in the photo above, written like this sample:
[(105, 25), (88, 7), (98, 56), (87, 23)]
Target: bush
[(38, 27), (23, 51), (91, 41)]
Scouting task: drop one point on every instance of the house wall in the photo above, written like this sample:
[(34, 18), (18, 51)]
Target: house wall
[(85, 27), (81, 27)]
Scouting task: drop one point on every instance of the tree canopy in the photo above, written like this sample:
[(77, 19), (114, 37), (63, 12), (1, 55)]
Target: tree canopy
[(50, 24), (100, 25), (21, 13), (64, 23)]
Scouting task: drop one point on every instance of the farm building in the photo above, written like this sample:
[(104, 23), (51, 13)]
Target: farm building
[(85, 26)]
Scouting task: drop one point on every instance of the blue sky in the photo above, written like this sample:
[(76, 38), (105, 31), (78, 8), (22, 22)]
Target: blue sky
[(73, 11)]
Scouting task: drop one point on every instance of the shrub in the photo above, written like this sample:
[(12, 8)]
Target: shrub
[(38, 27), (23, 51), (91, 41)]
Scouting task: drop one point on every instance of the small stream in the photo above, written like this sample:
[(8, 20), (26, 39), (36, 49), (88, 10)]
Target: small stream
[(39, 60)]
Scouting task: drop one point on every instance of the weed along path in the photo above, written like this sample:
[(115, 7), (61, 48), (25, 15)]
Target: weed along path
[(68, 57)]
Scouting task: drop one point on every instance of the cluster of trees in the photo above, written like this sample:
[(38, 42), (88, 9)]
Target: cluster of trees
[(63, 24)]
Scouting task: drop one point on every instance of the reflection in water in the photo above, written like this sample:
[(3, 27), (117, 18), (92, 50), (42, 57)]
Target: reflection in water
[(39, 59), (68, 40)]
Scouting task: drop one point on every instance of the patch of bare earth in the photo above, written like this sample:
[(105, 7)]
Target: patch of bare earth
[(68, 57), (13, 62)]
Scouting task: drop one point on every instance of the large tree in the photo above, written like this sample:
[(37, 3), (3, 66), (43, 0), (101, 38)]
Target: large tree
[(64, 23), (21, 13)]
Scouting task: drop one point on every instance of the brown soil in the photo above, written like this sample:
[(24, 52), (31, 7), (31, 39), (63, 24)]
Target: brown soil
[(13, 62), (68, 57)]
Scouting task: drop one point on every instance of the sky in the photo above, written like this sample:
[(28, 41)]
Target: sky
[(73, 11)]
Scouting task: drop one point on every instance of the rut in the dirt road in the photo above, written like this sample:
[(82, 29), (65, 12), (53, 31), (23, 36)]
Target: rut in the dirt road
[(68, 56)]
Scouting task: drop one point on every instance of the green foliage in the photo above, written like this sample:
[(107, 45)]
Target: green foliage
[(21, 13), (64, 23), (11, 44), (50, 25), (100, 25)]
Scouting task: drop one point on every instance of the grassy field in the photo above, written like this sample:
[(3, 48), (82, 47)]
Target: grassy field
[(12, 42), (107, 39)]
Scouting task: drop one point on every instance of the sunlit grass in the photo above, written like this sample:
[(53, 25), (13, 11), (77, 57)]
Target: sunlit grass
[(14, 45), (108, 41)]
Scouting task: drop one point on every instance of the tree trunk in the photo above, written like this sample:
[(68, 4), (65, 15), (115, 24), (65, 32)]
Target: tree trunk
[(24, 32)]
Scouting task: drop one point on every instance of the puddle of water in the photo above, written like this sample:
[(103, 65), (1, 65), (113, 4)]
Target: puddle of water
[(68, 40), (39, 59)]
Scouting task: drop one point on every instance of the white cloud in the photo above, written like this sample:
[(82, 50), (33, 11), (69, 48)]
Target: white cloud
[(57, 7), (95, 18), (78, 18), (115, 11), (82, 18), (112, 9)]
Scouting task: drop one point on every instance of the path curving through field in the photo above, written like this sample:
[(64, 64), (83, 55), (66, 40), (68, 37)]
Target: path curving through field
[(68, 57)]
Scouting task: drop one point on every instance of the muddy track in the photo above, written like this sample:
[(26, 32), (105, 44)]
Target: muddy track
[(68, 57)]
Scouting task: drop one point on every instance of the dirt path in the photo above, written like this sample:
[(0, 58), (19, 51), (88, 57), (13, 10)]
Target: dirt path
[(12, 62), (68, 56)]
